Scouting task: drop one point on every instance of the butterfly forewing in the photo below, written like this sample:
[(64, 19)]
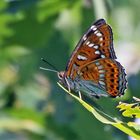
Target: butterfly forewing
[(107, 73), (95, 44)]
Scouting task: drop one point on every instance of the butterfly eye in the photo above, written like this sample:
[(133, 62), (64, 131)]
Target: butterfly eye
[(61, 75)]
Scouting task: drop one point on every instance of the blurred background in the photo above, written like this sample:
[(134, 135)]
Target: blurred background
[(32, 106)]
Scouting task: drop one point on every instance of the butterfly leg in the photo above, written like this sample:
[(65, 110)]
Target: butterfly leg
[(94, 95), (80, 96), (68, 85), (103, 95), (98, 95)]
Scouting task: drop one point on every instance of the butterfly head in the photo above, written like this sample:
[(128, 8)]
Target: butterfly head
[(62, 78), (60, 75), (67, 82)]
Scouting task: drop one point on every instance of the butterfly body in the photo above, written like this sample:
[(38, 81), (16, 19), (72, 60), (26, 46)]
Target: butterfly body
[(92, 68), (87, 87)]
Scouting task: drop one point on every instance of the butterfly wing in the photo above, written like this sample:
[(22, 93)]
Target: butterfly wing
[(107, 73), (95, 44)]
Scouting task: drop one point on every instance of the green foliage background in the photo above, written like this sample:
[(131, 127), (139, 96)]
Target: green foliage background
[(32, 106)]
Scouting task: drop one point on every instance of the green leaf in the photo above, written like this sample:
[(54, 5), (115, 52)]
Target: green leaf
[(132, 130), (14, 51), (12, 124), (129, 110), (48, 9)]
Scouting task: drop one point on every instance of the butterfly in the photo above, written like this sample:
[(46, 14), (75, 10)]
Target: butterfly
[(92, 69)]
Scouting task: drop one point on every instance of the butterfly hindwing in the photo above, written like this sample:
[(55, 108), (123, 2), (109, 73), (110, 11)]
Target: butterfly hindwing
[(107, 73)]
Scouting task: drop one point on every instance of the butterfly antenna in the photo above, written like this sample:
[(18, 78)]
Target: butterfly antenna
[(48, 69), (52, 70)]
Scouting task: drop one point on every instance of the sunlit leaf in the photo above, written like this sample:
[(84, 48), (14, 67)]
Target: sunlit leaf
[(106, 119), (130, 110)]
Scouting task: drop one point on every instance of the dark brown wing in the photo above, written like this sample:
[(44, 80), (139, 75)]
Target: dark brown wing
[(107, 73), (95, 44)]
